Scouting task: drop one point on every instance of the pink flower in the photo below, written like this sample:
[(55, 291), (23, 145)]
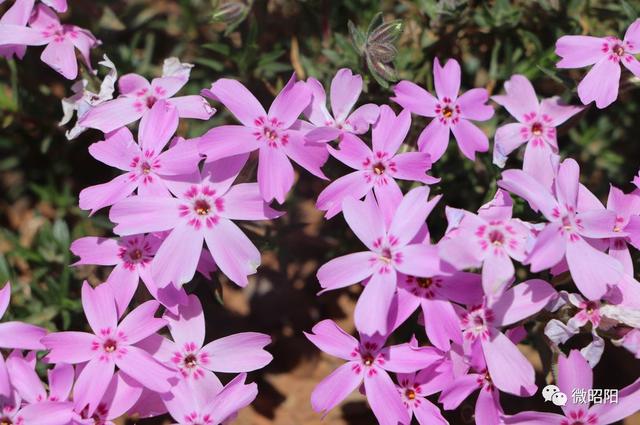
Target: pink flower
[(61, 40), (575, 373), (110, 345), (13, 411), (131, 256), (18, 14), (18, 335), (276, 135), (571, 220), (202, 211), (450, 112), (434, 295), (345, 90), (510, 371), (121, 393), (537, 122), (390, 250), (370, 361), (414, 388), (242, 352), (195, 405), (607, 53), (627, 210), (137, 98), (488, 240), (147, 167), (27, 383), (377, 169)]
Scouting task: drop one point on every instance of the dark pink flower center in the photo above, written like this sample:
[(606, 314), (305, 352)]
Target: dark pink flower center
[(270, 134), (367, 359), (447, 112), (190, 361), (201, 207), (496, 237), (151, 100), (424, 282), (385, 255), (379, 168), (110, 346), (618, 50), (410, 394), (536, 129), (6, 421), (145, 167)]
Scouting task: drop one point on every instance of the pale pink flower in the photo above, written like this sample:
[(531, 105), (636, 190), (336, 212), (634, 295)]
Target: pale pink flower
[(376, 170), (148, 169), (275, 134), (61, 40), (368, 361), (450, 112), (111, 344), (205, 205), (391, 250), (345, 90), (605, 54), (536, 126)]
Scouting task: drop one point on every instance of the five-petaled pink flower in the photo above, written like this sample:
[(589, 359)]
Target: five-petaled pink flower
[(205, 205), (489, 239), (450, 112), (377, 169), (536, 126), (131, 256), (195, 360), (370, 361), (149, 170), (391, 249), (572, 223), (110, 345), (61, 40), (345, 90), (277, 135), (510, 371), (605, 54), (137, 98)]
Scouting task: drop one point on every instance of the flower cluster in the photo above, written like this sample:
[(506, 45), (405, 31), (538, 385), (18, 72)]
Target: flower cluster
[(176, 207)]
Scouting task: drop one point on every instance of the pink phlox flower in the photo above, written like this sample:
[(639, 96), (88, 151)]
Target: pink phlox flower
[(391, 249), (276, 135), (490, 239), (415, 387), (121, 393), (536, 126), (138, 96), (574, 223), (148, 168), (197, 404), (605, 54), (450, 112), (45, 29), (510, 371), (195, 360), (574, 373), (368, 361), (111, 344), (14, 411), (131, 257), (345, 91), (205, 205), (377, 169), (434, 296)]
